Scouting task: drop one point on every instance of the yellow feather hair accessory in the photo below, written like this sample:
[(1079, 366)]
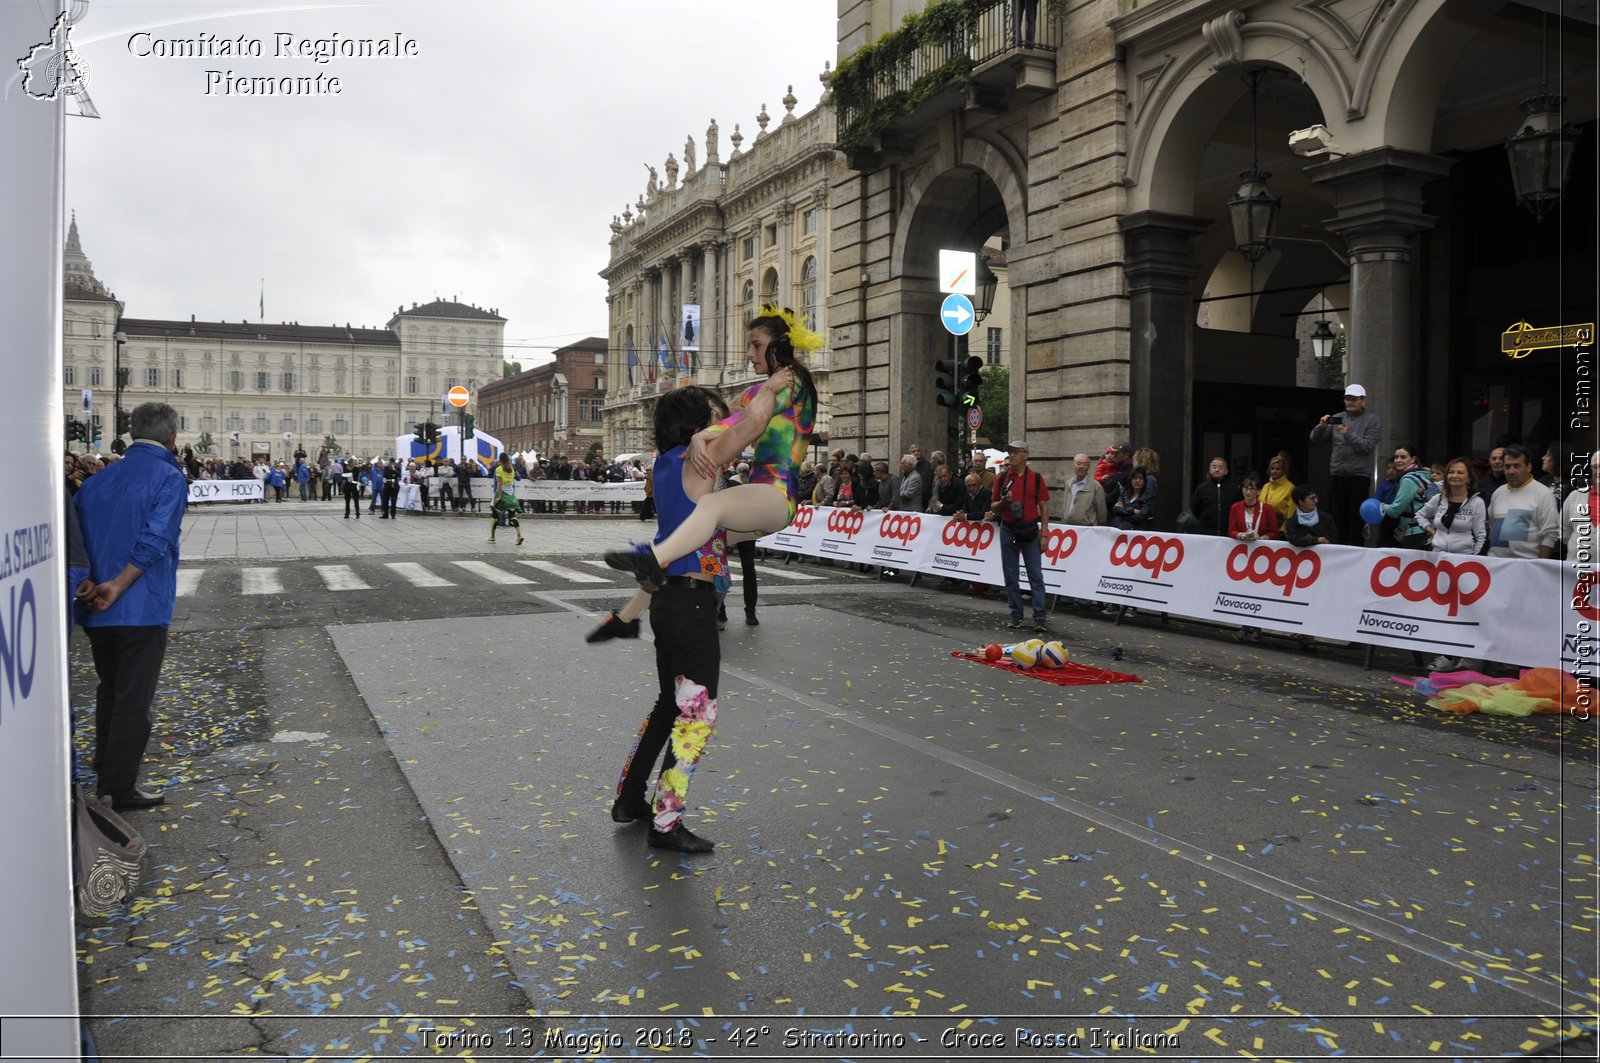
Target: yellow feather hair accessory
[(800, 337)]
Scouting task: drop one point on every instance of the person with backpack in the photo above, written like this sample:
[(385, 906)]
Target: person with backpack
[(1411, 491)]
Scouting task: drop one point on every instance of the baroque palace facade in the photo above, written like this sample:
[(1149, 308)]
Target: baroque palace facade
[(726, 238), (1116, 146), (268, 389)]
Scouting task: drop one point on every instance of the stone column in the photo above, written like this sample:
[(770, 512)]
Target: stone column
[(710, 334), (786, 266), (1160, 267), (1378, 196)]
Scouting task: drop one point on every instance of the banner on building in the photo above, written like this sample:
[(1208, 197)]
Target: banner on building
[(690, 339), (1532, 613)]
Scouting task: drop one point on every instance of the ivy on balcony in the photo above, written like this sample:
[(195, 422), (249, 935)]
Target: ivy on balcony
[(892, 76)]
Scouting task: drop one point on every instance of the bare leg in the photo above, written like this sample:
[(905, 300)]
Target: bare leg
[(746, 508), (637, 606)]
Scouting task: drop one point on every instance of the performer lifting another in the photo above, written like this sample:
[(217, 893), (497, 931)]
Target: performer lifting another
[(768, 502)]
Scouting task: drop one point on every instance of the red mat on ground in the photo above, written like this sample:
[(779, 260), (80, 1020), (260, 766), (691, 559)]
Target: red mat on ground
[(1072, 675)]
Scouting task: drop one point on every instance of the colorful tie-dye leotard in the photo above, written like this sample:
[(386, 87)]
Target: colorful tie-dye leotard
[(781, 448)]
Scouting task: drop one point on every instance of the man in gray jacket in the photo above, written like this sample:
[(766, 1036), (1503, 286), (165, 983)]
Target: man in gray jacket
[(1086, 499), (1354, 435)]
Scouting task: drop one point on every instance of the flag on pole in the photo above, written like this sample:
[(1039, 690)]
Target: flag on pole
[(663, 350), (633, 360), (263, 298)]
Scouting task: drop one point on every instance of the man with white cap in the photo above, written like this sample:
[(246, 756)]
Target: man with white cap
[(1354, 435)]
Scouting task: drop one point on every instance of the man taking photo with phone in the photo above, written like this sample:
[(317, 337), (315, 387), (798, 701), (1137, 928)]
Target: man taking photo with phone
[(1354, 437)]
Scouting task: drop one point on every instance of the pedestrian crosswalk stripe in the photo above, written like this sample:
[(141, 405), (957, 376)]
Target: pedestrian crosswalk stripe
[(570, 574), (416, 575), (188, 580), (260, 581), (490, 572), (342, 578), (783, 573)]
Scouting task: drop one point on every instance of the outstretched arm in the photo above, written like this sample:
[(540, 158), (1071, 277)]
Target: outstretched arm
[(721, 443)]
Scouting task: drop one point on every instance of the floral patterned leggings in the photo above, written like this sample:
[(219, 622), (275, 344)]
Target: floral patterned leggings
[(684, 717)]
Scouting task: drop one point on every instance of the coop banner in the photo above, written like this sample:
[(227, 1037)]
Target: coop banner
[(1501, 609)]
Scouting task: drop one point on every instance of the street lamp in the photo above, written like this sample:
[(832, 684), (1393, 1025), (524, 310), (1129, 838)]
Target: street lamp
[(1541, 149), (1322, 341), (1254, 208), (121, 381), (987, 285)]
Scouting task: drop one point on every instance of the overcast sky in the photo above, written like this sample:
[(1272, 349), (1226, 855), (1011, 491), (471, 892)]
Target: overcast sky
[(486, 167)]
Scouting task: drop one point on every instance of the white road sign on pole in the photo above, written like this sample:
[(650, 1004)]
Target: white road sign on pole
[(958, 272)]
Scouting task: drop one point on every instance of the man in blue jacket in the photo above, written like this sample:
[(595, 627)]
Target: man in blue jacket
[(375, 481), (131, 513)]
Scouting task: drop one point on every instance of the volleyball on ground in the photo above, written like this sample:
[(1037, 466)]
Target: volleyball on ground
[(1053, 655), (1025, 654)]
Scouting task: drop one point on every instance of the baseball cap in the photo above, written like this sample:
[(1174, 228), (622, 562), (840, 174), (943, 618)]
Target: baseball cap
[(1355, 391), (1019, 444), (851, 458)]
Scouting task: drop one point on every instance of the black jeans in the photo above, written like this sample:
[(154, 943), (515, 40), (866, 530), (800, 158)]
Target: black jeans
[(391, 492), (352, 497), (747, 572), (684, 622), (128, 662), (1348, 494)]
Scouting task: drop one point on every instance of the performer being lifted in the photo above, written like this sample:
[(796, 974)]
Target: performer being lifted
[(768, 502)]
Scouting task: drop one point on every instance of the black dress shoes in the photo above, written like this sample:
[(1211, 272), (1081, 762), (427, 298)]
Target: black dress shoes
[(136, 798), (641, 564), (630, 809), (613, 627), (750, 618), (680, 839)]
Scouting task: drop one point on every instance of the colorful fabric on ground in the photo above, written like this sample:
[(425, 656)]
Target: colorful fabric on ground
[(1536, 690), (1072, 675)]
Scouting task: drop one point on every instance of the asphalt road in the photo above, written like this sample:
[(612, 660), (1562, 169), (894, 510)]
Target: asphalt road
[(390, 757)]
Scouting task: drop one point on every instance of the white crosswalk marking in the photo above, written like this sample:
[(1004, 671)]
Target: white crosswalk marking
[(416, 575), (490, 572), (783, 573), (342, 578), (572, 575), (260, 581), (189, 580)]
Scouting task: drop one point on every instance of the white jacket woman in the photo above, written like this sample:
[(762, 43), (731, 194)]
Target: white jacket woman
[(1460, 532)]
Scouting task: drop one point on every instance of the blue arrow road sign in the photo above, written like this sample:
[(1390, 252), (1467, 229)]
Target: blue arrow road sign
[(957, 315)]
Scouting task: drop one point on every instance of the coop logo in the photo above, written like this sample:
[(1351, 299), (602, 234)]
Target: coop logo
[(1282, 566), (846, 523), (972, 536), (898, 526), (1153, 553), (1059, 544), (1445, 583), (802, 518)]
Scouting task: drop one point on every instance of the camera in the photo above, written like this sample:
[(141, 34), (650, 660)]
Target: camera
[(1016, 511), (1337, 418)]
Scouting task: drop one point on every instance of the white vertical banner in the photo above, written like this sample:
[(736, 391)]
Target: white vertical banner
[(38, 976)]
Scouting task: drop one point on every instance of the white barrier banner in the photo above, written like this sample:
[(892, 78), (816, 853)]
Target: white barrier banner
[(1500, 609), (225, 491), (579, 491)]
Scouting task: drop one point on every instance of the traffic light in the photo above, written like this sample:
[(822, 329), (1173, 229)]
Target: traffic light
[(431, 432), (124, 422), (95, 428), (972, 382), (74, 430), (466, 426), (947, 393), (420, 430)]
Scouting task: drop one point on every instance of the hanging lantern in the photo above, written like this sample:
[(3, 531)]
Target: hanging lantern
[(1541, 152), (1253, 210), (1322, 341)]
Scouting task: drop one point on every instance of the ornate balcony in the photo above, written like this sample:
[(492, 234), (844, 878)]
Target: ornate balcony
[(957, 53)]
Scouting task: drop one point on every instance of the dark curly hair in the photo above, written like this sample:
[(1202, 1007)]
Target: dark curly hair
[(683, 412), (782, 352)]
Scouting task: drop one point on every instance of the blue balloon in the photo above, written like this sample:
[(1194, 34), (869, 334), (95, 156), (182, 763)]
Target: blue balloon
[(1372, 511)]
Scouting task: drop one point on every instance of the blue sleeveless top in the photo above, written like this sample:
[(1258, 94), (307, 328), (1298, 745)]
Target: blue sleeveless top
[(673, 508)]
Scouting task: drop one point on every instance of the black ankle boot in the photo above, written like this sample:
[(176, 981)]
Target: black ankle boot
[(680, 839), (628, 809), (641, 564), (613, 627)]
